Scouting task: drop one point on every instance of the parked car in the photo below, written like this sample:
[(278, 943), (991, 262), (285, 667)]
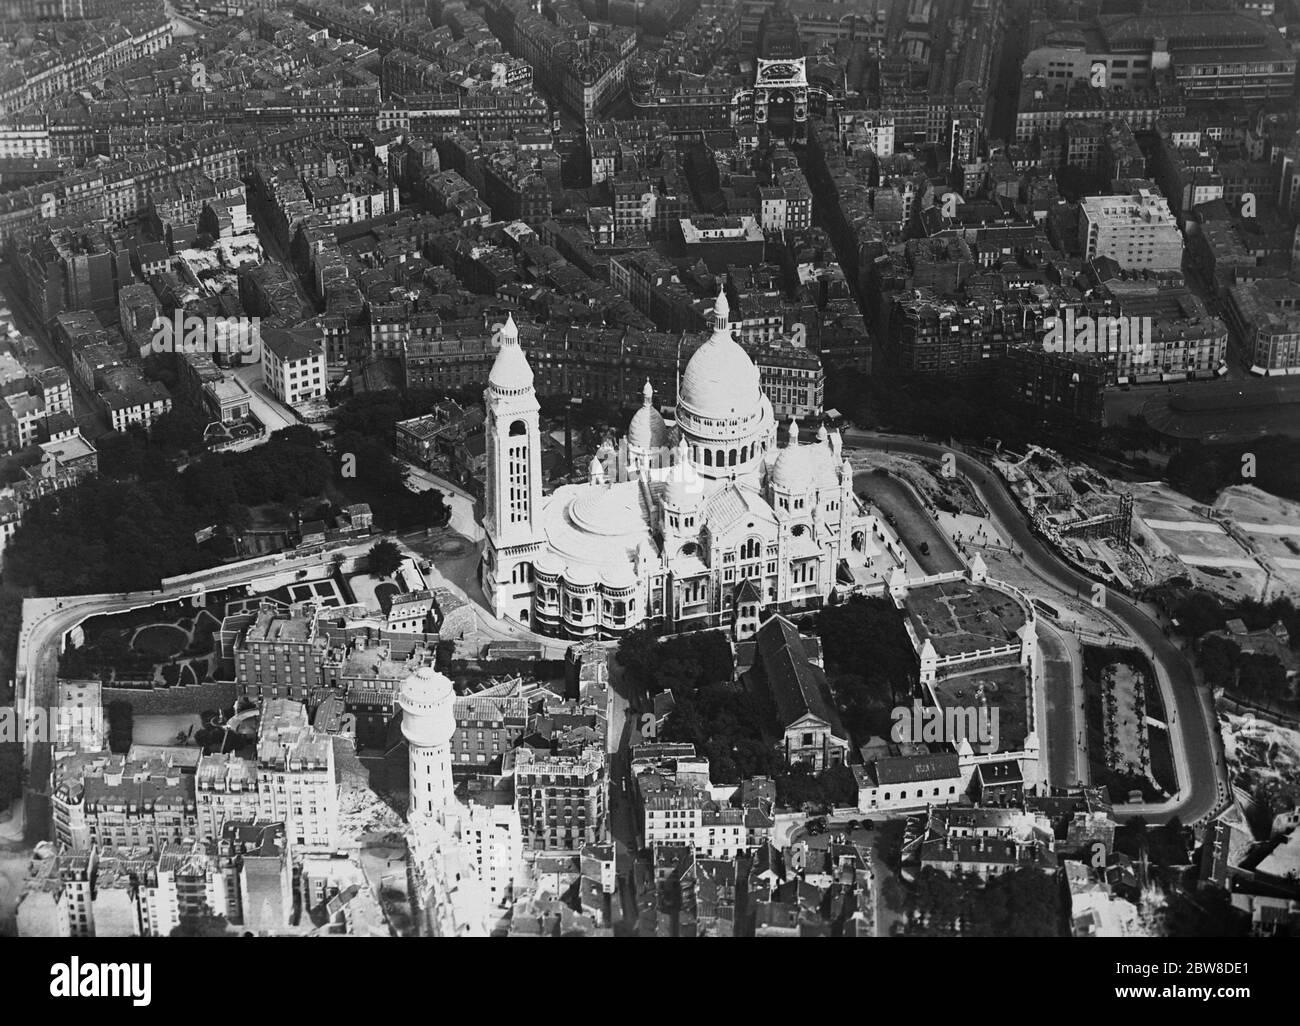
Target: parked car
[(868, 825), (816, 826)]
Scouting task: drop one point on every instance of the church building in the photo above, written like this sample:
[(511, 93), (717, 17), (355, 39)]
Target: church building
[(707, 523)]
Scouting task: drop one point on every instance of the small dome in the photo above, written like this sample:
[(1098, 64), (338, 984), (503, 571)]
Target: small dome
[(800, 468), (608, 512), (683, 487), (426, 687), (647, 429)]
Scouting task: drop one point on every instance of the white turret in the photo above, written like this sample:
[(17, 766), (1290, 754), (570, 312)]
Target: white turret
[(428, 702)]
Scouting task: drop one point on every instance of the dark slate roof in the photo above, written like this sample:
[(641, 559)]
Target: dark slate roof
[(798, 686), (905, 769), (1000, 772)]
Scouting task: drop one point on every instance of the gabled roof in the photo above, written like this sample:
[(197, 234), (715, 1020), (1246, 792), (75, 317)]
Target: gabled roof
[(906, 769), (798, 686)]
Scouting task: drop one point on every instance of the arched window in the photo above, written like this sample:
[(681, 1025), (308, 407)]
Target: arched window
[(708, 457), (731, 458), (721, 458), (518, 428)]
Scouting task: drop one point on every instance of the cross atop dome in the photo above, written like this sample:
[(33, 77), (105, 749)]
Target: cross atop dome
[(648, 393)]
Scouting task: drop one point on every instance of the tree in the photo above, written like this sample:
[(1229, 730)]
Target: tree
[(180, 428), (1207, 913), (1261, 676), (202, 926), (121, 726), (1023, 903), (384, 558), (1199, 613), (1218, 658)]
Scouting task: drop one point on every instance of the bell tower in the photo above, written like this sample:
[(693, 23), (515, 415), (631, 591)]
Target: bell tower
[(513, 496)]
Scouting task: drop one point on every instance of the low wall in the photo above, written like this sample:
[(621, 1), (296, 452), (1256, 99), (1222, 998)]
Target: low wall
[(1238, 707), (184, 698), (951, 666)]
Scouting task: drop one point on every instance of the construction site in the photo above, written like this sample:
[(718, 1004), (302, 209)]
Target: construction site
[(1086, 516)]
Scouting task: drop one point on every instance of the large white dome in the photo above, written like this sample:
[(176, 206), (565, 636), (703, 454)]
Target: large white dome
[(722, 414), (721, 381)]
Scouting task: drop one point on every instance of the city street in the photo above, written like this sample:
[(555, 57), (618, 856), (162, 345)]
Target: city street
[(463, 520), (1063, 735), (912, 522)]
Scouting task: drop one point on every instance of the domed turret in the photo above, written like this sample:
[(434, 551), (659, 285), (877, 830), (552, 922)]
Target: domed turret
[(428, 699), (800, 468), (510, 371), (683, 487), (647, 430)]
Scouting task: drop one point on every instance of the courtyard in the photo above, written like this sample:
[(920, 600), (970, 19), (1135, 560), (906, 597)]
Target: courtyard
[(1005, 691), (958, 616)]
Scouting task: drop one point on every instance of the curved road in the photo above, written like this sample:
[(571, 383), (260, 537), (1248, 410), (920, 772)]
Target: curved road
[(1202, 773), (905, 512)]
